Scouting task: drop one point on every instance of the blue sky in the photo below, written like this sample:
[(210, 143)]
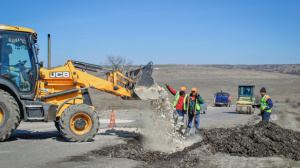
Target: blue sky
[(164, 31)]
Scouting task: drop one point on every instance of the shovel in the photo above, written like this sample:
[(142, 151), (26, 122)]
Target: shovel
[(193, 129), (186, 117)]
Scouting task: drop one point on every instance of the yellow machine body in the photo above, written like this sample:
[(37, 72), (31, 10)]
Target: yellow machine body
[(16, 28)]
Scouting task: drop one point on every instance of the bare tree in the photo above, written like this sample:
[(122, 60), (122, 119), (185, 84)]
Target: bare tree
[(118, 63)]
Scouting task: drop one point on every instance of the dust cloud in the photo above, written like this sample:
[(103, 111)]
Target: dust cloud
[(157, 127)]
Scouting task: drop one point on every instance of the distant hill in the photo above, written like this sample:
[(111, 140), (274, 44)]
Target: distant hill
[(281, 68), (293, 69)]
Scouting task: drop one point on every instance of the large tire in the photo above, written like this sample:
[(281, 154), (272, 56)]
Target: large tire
[(79, 123), (9, 115)]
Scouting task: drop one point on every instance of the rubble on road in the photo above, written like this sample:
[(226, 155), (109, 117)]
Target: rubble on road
[(263, 139), (259, 140)]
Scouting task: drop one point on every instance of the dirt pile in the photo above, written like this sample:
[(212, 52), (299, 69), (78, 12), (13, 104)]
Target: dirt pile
[(135, 151), (260, 140), (131, 150)]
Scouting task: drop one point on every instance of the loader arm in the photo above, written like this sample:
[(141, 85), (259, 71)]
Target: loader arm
[(134, 84), (68, 77), (114, 83), (66, 85)]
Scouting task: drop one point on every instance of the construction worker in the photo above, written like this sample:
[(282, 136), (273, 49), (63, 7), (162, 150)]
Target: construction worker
[(178, 104), (7, 70), (192, 106), (265, 105)]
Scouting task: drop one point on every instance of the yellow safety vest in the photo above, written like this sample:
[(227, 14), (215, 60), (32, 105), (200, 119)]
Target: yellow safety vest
[(176, 98), (198, 107), (264, 104)]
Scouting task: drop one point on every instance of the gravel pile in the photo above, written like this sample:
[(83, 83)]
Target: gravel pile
[(260, 140)]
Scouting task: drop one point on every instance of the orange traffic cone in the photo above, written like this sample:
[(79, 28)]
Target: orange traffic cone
[(112, 122)]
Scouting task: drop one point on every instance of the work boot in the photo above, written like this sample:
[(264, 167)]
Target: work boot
[(199, 131), (187, 132), (182, 130), (193, 131)]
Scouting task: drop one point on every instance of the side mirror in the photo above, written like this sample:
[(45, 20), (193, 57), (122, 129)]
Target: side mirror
[(37, 49), (41, 64)]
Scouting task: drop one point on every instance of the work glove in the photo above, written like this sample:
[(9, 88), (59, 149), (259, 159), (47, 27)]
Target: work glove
[(192, 113), (13, 69)]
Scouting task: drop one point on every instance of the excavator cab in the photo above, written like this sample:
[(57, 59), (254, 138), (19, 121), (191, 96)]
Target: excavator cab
[(18, 61), (245, 99)]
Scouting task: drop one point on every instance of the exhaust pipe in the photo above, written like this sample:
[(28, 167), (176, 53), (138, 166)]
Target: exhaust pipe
[(49, 51)]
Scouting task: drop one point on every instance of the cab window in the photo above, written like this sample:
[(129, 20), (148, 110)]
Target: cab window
[(17, 59)]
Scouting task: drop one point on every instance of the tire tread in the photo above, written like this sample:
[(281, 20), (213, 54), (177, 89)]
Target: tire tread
[(15, 116)]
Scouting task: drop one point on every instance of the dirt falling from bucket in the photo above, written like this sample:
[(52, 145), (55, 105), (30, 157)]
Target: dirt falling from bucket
[(158, 126)]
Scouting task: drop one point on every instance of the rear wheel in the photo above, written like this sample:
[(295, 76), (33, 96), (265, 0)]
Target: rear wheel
[(9, 115), (79, 123)]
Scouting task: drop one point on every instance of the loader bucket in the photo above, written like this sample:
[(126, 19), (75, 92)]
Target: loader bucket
[(146, 93), (145, 88)]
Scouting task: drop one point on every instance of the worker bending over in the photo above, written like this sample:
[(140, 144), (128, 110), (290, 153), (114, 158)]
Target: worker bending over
[(192, 106), (265, 105), (178, 104)]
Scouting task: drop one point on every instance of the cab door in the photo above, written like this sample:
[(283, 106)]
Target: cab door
[(17, 61)]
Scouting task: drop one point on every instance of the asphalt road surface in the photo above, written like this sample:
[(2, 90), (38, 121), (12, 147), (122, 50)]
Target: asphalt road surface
[(40, 145)]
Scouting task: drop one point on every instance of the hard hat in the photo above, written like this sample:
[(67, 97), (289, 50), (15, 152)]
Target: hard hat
[(182, 88), (194, 89)]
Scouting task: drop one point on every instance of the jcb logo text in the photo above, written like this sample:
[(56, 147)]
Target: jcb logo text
[(59, 74)]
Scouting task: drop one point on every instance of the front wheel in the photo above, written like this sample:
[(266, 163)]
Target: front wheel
[(9, 115), (79, 123)]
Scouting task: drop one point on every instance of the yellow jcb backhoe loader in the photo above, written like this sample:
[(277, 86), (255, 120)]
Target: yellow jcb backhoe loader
[(30, 92)]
